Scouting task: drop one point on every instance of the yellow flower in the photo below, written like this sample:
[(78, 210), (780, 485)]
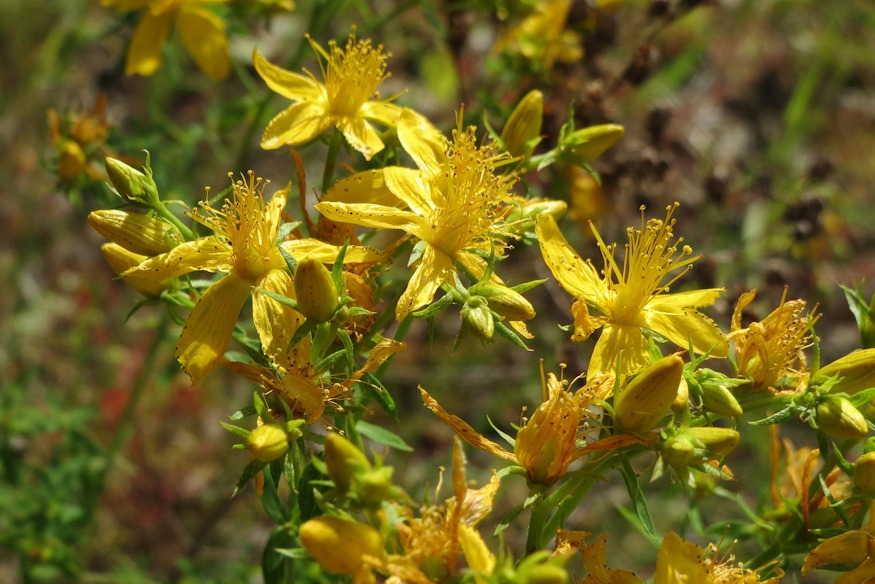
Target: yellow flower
[(855, 547), (678, 562), (348, 98), (244, 246), (548, 443), (633, 296), (202, 33), (542, 36), (453, 205), (770, 351), (433, 541)]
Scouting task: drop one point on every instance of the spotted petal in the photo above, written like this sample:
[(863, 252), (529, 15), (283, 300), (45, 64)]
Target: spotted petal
[(296, 124), (360, 135), (681, 326), (618, 341), (434, 269), (209, 254), (276, 323)]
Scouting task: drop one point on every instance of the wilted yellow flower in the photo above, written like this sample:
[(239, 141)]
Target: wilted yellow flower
[(79, 138), (633, 296), (348, 98), (202, 32), (770, 351), (244, 246), (548, 442), (453, 205), (434, 542)]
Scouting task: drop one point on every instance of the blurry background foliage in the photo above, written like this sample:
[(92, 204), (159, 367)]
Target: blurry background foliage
[(758, 116)]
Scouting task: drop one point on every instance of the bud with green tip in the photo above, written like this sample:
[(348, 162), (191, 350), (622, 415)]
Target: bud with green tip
[(132, 184), (315, 290), (719, 441), (268, 442), (838, 418), (477, 316), (678, 450), (504, 301), (344, 461), (545, 574), (855, 372), (522, 131), (716, 395), (136, 232), (647, 398), (582, 146), (340, 544)]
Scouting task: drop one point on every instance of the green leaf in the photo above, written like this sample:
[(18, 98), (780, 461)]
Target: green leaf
[(252, 469), (270, 499), (781, 416), (372, 387), (641, 519), (236, 430), (381, 435)]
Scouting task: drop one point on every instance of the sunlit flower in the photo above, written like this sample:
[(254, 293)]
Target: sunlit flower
[(452, 205), (770, 352), (552, 437), (245, 247), (347, 99), (632, 296), (202, 32)]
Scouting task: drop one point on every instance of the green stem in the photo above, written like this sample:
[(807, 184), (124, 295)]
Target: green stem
[(165, 214), (537, 521), (331, 159)]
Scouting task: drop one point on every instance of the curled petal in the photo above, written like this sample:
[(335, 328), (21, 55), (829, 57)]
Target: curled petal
[(276, 323), (434, 269), (361, 136)]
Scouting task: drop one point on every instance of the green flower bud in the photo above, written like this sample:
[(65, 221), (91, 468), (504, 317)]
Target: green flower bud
[(717, 398), (838, 418), (855, 371), (504, 301), (132, 184), (586, 144), (121, 260), (719, 441), (522, 131), (268, 442), (315, 290), (864, 473), (376, 486), (344, 461), (477, 316), (648, 396), (136, 232), (339, 544), (678, 450)]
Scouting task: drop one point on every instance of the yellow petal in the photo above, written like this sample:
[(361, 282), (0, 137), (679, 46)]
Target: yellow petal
[(274, 211), (690, 299), (144, 50), (865, 572), (576, 276), (411, 187), (742, 303), (360, 135), (209, 254), (208, 329), (621, 341), (584, 324), (596, 565), (377, 216), (682, 326), (478, 555), (851, 547), (422, 141), (276, 323), (203, 34), (434, 269), (387, 114), (327, 253), (680, 562), (291, 85), (378, 355), (464, 430), (363, 187), (296, 124)]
